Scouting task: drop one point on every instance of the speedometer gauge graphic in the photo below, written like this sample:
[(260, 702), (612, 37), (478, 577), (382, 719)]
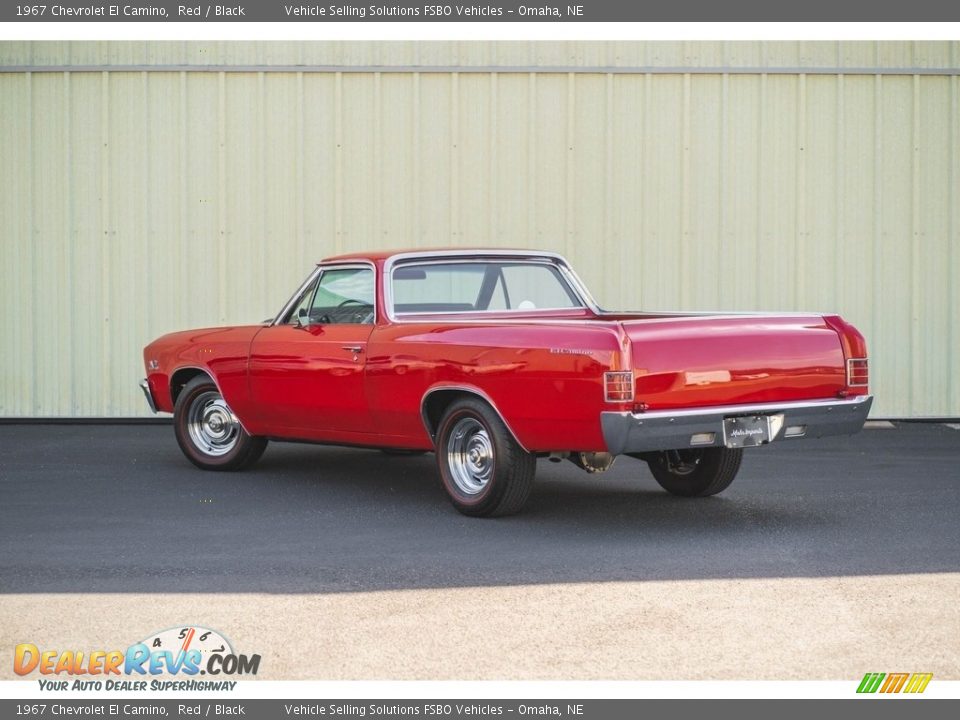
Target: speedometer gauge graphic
[(180, 640)]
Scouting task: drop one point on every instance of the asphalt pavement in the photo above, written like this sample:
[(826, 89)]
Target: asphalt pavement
[(825, 559), (117, 508)]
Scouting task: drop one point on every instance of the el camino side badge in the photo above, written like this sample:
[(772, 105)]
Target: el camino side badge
[(570, 351)]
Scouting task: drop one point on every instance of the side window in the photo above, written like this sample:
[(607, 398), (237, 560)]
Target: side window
[(302, 304), (441, 287), (480, 286), (344, 296), (498, 298), (537, 286)]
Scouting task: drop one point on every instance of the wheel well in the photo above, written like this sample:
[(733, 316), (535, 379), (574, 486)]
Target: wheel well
[(180, 378), (436, 403)]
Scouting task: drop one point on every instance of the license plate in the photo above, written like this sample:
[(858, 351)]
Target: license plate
[(746, 431)]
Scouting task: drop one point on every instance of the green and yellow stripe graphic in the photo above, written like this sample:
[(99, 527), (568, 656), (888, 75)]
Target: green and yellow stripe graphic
[(918, 682), (894, 682)]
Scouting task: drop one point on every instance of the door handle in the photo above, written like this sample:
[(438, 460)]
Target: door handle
[(355, 349)]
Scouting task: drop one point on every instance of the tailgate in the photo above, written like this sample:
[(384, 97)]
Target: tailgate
[(702, 360)]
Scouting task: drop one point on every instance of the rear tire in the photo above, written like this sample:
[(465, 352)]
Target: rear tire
[(695, 473), (208, 432), (483, 468)]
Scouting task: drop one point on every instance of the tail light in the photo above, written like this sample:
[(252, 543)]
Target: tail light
[(858, 372), (618, 386)]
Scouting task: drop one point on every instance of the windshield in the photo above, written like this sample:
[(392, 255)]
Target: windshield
[(480, 286)]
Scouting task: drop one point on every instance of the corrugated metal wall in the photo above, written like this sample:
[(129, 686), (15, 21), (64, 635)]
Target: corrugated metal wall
[(138, 199)]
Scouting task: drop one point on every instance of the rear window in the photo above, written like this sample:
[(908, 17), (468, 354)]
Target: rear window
[(479, 286)]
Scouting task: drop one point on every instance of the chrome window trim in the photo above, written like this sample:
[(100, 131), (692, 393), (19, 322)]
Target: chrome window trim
[(318, 273), (288, 306), (695, 314), (441, 257)]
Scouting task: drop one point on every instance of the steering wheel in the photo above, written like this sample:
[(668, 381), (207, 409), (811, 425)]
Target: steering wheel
[(362, 306)]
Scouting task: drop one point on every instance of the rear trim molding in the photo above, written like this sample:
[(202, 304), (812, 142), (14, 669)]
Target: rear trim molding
[(625, 432), (467, 390)]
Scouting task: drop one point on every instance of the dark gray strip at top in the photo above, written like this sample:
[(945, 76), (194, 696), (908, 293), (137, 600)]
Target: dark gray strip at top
[(223, 704), (487, 69), (313, 11)]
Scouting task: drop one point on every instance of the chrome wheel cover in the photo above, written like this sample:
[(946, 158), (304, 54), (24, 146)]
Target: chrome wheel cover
[(211, 424), (470, 456)]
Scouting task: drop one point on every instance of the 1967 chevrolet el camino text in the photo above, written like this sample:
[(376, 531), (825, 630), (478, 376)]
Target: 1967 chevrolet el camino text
[(493, 358)]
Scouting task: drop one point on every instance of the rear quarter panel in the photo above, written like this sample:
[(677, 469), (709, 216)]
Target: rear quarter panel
[(545, 377)]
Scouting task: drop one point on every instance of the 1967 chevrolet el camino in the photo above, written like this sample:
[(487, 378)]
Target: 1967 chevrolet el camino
[(492, 359)]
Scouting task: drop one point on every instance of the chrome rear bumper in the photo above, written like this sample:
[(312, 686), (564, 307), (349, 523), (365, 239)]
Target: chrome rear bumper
[(145, 386), (626, 432)]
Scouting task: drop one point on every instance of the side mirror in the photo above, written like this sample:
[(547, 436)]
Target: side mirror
[(303, 318)]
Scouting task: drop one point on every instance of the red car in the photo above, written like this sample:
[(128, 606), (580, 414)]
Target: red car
[(492, 359)]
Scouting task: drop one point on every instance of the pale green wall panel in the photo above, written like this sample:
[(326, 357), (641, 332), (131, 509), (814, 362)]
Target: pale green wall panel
[(16, 249), (551, 160), (473, 127), (86, 273), (817, 260), (317, 164), (203, 190), (624, 176), (739, 189), (951, 356), (931, 277), (857, 249), (896, 257), (136, 203), (434, 139), (53, 250), (703, 170), (734, 54)]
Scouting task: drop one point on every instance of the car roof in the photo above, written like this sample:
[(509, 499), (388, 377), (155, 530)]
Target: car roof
[(381, 255)]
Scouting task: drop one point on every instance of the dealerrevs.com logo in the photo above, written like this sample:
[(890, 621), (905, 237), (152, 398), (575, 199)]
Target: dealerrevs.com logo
[(171, 659)]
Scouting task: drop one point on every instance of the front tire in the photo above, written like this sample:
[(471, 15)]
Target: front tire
[(695, 473), (208, 432), (483, 468)]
